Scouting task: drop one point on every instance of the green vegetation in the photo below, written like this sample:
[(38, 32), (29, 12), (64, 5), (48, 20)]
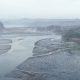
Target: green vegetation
[(72, 33)]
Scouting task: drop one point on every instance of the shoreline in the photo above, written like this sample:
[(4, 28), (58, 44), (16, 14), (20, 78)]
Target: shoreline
[(23, 51), (31, 57)]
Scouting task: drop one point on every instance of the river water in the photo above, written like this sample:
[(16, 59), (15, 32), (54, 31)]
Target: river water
[(21, 50)]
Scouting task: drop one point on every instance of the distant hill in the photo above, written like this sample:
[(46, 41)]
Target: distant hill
[(41, 22), (1, 25)]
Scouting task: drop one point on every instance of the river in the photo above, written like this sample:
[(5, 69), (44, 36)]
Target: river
[(21, 50)]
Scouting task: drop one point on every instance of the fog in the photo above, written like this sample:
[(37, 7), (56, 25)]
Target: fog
[(16, 9)]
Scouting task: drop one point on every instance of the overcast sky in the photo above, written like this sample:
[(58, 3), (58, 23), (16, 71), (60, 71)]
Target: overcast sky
[(39, 9)]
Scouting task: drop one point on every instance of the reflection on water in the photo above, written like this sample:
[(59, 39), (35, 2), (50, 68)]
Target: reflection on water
[(20, 51)]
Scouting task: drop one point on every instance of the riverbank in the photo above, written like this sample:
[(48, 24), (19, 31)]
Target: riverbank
[(52, 59), (21, 49)]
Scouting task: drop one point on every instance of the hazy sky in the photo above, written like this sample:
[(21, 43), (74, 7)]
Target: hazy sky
[(39, 9)]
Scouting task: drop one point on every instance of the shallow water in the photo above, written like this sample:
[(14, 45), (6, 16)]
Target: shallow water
[(21, 50)]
